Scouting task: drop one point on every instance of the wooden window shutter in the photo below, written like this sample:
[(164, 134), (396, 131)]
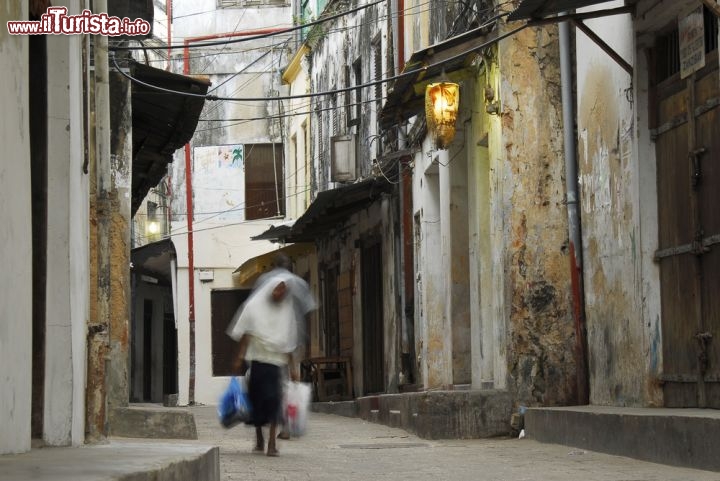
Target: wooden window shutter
[(264, 181)]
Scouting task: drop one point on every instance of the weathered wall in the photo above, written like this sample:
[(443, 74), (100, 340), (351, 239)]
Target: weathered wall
[(618, 202), (67, 280), (540, 362), (339, 48), (15, 239), (118, 386), (433, 333), (297, 159)]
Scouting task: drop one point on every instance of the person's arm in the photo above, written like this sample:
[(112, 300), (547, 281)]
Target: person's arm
[(238, 365), (292, 368)]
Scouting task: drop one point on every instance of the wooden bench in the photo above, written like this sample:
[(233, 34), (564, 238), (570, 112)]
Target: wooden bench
[(331, 377)]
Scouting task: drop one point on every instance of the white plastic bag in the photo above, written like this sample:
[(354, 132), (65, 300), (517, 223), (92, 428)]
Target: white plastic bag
[(297, 405)]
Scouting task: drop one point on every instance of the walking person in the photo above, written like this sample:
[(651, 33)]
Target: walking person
[(267, 329)]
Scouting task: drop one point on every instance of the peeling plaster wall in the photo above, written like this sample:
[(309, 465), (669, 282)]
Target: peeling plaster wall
[(119, 218), (534, 257), (15, 239), (332, 59), (433, 342), (618, 201)]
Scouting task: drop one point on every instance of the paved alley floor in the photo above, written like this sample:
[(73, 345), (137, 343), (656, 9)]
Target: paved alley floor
[(339, 448)]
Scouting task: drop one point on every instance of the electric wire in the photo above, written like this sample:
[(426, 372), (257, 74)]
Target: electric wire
[(333, 91), (264, 35)]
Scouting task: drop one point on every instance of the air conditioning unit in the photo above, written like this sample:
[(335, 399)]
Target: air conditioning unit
[(342, 158)]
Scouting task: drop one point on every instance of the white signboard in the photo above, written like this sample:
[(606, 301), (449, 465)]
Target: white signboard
[(692, 41)]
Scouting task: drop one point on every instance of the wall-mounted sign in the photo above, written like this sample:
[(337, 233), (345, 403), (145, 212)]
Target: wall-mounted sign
[(692, 41)]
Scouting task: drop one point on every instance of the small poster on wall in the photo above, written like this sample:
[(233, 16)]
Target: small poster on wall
[(692, 41)]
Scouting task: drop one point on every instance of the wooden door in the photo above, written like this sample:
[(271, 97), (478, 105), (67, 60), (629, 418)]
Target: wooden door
[(372, 319), (688, 170), (331, 318)]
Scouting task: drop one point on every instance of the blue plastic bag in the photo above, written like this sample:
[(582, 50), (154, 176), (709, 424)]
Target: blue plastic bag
[(234, 406)]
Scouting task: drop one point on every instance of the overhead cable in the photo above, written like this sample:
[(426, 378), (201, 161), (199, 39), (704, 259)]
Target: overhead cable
[(261, 36), (328, 92)]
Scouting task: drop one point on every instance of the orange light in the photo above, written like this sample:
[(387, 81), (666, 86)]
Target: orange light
[(442, 101)]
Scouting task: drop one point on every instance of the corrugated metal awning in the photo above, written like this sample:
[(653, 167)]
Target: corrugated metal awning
[(162, 122), (329, 209), (154, 258), (536, 9), (250, 270)]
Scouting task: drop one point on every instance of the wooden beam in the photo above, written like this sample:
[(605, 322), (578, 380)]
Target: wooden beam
[(713, 6), (601, 43)]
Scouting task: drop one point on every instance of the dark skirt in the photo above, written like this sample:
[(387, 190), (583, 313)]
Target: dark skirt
[(264, 393)]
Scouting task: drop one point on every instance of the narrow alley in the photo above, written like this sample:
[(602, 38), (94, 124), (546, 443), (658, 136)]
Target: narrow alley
[(339, 448)]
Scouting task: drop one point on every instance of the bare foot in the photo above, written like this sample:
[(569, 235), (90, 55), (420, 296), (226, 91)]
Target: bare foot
[(259, 441)]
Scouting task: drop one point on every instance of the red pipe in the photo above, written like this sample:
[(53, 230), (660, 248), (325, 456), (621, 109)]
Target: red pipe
[(169, 34), (401, 34), (189, 191), (191, 271)]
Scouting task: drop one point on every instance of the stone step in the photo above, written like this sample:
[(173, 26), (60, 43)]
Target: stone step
[(679, 437)]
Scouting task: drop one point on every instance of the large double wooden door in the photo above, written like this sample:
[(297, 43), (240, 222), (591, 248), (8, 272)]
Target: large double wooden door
[(688, 176)]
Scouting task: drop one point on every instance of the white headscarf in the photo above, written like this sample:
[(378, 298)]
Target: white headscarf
[(272, 323)]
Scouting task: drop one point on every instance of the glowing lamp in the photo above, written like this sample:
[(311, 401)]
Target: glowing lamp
[(153, 227), (442, 101)]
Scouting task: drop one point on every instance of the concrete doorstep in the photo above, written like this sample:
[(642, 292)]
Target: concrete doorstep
[(433, 414), (678, 437), (118, 460)]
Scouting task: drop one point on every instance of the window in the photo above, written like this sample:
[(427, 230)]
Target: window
[(264, 181), (668, 47)]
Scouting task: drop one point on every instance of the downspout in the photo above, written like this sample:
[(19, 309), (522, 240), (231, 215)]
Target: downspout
[(571, 186), (401, 35), (189, 202), (406, 213)]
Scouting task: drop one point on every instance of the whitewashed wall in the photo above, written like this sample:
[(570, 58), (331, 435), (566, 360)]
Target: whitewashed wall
[(15, 240), (68, 230), (619, 219)]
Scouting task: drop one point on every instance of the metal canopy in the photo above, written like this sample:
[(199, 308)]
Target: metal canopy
[(162, 122), (329, 209), (535, 9), (154, 259), (251, 269)]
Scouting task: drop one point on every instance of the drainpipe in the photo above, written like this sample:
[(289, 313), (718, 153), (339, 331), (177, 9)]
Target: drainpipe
[(189, 198), (571, 186), (401, 35)]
